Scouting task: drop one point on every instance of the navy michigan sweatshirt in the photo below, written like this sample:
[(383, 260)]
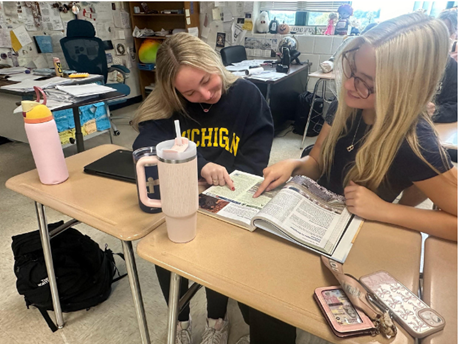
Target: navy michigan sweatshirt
[(237, 132)]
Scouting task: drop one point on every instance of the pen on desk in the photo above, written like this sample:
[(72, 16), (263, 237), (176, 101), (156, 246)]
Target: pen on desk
[(357, 232)]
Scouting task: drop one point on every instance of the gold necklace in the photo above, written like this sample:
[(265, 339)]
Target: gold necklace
[(353, 143), (204, 109)]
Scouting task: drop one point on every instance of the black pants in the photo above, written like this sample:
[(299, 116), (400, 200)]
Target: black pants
[(265, 329), (216, 302)]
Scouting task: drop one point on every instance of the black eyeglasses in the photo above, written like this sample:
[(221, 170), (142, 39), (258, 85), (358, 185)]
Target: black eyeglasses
[(348, 62)]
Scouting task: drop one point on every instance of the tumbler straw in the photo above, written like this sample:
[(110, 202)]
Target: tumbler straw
[(178, 132)]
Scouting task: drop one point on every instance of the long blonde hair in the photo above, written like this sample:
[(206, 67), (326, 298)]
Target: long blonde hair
[(411, 53), (179, 50)]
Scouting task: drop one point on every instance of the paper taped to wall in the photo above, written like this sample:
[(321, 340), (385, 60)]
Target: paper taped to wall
[(193, 31), (22, 35)]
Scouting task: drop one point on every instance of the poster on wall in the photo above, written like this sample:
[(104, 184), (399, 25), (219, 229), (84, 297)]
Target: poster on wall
[(120, 49), (104, 12), (238, 34), (121, 19), (220, 39), (5, 38), (27, 18), (50, 17), (10, 9)]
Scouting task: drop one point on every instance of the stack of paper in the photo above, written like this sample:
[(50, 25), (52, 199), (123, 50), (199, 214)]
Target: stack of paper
[(27, 85), (44, 71), (85, 90), (23, 76), (267, 76), (61, 96), (12, 70)]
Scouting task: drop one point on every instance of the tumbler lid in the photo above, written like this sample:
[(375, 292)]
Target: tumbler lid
[(166, 151)]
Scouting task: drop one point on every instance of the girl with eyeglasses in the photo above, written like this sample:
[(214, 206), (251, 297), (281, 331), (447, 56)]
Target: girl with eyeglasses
[(382, 140)]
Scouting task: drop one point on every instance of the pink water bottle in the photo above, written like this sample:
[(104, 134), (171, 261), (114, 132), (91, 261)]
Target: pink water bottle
[(41, 130)]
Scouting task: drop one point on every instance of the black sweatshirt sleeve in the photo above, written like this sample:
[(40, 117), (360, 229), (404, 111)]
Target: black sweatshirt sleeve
[(155, 131), (446, 100), (257, 136)]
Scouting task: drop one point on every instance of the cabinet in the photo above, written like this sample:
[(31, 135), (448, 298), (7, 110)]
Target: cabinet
[(157, 21)]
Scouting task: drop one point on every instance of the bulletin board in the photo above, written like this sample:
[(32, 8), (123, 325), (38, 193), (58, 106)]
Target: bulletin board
[(225, 23), (20, 21)]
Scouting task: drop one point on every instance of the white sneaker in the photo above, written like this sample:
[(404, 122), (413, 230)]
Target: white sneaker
[(216, 332), (184, 335), (244, 340)]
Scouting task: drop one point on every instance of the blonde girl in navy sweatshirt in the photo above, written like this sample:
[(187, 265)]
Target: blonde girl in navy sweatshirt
[(226, 117)]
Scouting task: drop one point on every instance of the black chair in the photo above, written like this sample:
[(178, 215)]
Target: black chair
[(86, 53), (233, 54), (307, 150)]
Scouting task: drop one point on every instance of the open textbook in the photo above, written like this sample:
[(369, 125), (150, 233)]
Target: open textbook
[(301, 211)]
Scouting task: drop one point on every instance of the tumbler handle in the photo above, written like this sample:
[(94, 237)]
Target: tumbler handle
[(141, 180)]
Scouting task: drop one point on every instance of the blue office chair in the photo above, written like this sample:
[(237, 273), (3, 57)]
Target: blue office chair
[(86, 53)]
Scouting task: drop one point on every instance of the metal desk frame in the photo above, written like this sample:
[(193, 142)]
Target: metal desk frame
[(323, 81)]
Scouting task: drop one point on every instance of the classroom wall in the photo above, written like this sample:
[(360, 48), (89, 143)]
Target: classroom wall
[(108, 23), (315, 48)]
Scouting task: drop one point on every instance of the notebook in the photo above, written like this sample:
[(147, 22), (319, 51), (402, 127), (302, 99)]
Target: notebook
[(116, 165)]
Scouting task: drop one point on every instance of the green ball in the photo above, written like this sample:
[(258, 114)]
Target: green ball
[(148, 51)]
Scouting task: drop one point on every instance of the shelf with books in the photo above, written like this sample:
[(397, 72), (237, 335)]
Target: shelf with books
[(159, 21)]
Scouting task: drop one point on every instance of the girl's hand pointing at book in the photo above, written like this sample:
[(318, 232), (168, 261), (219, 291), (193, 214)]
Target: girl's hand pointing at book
[(276, 175), (216, 174), (363, 202)]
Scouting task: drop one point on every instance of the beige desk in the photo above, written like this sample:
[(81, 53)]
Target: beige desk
[(448, 134), (105, 204), (440, 287), (323, 79), (278, 277)]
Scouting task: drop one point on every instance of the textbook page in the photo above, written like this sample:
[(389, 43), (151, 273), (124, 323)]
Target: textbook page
[(237, 206), (307, 213)]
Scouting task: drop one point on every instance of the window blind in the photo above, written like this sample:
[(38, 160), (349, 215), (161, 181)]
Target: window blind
[(307, 6)]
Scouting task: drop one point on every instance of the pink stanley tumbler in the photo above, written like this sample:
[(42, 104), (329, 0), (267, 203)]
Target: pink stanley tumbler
[(44, 141), (177, 167)]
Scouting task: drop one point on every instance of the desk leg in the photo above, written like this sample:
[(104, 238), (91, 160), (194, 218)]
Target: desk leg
[(46, 244), (78, 134), (310, 112), (136, 291), (112, 126), (268, 95), (173, 307)]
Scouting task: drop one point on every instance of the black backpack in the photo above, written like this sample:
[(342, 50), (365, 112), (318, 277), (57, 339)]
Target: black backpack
[(84, 272), (302, 113)]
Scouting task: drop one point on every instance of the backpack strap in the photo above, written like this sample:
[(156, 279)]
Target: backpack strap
[(116, 268), (47, 318)]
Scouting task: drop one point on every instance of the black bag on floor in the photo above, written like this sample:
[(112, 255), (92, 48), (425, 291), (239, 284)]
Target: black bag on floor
[(302, 113), (83, 271)]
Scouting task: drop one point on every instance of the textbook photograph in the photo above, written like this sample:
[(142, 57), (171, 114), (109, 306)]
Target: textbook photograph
[(301, 211)]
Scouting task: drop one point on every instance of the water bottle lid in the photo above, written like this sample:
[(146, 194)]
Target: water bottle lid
[(34, 112), (164, 150)]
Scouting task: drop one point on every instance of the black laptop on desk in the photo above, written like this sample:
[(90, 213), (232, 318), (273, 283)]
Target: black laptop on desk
[(116, 165)]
